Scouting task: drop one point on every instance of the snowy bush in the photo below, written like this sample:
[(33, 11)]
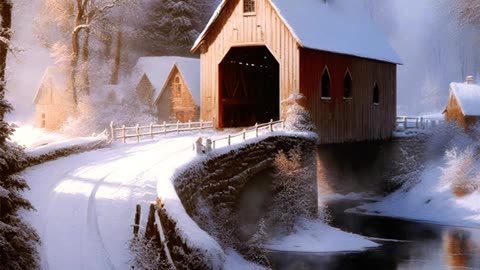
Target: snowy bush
[(298, 118), (90, 117), (255, 246), (292, 188), (147, 255), (462, 170)]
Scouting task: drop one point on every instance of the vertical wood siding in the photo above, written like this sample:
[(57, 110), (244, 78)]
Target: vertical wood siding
[(358, 119), (233, 28)]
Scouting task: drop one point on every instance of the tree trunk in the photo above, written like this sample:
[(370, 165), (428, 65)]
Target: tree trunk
[(6, 14), (86, 64), (118, 58)]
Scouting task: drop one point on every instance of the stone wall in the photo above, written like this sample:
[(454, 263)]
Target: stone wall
[(216, 184)]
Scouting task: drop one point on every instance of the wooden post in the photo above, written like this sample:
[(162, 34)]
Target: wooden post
[(165, 127), (178, 127), (201, 124), (405, 123), (256, 129), (137, 130), (244, 134), (124, 134), (189, 124), (151, 130), (150, 228), (136, 226), (271, 125), (214, 144), (112, 131), (229, 139), (283, 124)]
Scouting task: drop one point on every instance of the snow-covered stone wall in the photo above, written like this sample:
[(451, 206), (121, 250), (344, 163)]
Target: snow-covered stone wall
[(214, 184)]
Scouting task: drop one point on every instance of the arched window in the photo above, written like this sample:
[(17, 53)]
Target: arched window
[(347, 86), (326, 85), (248, 6), (376, 94)]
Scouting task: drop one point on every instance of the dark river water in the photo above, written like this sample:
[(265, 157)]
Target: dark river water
[(420, 245)]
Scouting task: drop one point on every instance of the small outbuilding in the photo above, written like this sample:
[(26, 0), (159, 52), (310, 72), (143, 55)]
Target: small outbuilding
[(171, 86), (256, 53), (52, 107), (464, 103)]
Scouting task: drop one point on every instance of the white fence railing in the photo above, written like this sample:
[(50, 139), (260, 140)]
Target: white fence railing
[(407, 122), (248, 133), (124, 133)]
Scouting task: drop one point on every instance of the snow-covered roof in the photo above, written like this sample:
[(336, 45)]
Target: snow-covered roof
[(53, 80), (158, 70), (468, 97), (340, 26)]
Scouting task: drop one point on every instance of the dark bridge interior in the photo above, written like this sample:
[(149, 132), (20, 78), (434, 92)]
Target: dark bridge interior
[(249, 87)]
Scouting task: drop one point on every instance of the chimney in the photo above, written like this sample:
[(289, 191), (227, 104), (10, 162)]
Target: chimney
[(470, 80)]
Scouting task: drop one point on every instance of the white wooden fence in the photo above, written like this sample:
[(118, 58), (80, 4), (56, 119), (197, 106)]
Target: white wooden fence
[(248, 133), (406, 122), (124, 133)]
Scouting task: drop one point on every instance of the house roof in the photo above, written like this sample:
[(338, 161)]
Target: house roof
[(158, 70), (53, 80), (339, 26), (468, 97)]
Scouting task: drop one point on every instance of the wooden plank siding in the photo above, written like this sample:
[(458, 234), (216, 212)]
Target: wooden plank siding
[(234, 29), (358, 119)]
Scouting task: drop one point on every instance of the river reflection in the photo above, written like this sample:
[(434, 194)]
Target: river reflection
[(411, 245)]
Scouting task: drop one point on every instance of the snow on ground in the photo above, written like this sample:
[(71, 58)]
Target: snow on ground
[(429, 200), (38, 142), (317, 237), (86, 202)]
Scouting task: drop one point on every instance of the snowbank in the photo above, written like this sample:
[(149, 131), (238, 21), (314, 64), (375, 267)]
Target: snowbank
[(317, 237), (430, 200)]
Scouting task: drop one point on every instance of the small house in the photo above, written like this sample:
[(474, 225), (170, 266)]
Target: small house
[(171, 86), (51, 104), (256, 53), (464, 103)]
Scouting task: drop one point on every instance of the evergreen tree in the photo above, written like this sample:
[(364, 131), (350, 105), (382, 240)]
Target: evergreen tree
[(17, 239)]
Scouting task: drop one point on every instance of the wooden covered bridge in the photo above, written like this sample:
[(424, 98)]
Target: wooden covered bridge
[(256, 53)]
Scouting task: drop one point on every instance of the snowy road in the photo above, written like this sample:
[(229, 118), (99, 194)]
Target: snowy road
[(86, 202)]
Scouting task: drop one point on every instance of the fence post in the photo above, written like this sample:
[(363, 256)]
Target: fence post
[(201, 124), (151, 130), (124, 134), (229, 139), (178, 127), (112, 130), (283, 124), (165, 127), (244, 134), (214, 144), (137, 219), (189, 124), (405, 123), (137, 130), (271, 125), (256, 129)]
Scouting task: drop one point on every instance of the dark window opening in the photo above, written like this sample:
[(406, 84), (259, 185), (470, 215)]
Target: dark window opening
[(347, 86), (248, 6), (376, 94), (326, 85)]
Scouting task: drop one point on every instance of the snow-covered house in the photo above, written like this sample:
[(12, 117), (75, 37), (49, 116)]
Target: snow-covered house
[(256, 53), (52, 107), (171, 85), (464, 103)]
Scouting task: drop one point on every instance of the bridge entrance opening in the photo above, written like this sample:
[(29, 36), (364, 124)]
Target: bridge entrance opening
[(249, 79)]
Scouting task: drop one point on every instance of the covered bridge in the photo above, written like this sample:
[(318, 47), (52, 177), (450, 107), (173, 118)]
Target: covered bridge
[(256, 53)]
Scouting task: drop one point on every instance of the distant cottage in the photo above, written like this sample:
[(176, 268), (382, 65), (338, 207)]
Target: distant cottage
[(256, 53), (170, 85), (51, 103), (464, 103)]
